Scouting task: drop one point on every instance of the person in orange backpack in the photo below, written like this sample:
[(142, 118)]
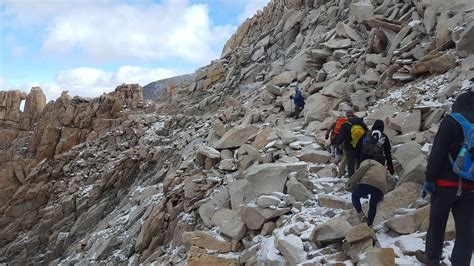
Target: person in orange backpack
[(350, 136), (336, 151)]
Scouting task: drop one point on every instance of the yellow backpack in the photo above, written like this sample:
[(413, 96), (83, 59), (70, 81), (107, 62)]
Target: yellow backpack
[(357, 132)]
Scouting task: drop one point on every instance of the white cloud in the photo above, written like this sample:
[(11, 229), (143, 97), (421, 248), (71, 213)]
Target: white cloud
[(110, 30), (251, 7), (91, 82)]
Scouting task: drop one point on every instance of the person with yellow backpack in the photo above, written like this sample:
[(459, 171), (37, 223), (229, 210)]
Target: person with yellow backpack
[(350, 137)]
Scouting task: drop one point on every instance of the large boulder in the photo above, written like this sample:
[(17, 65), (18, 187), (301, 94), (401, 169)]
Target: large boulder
[(236, 137), (267, 201), (207, 240), (334, 44), (333, 202), (230, 224), (207, 156), (314, 156), (298, 190), (292, 249), (401, 197), (267, 178), (434, 117), (286, 136), (434, 63), (332, 231), (362, 10), (358, 233), (218, 200), (409, 245), (414, 171), (240, 193), (337, 89), (464, 46), (219, 127), (408, 223), (254, 217), (383, 114), (380, 256), (406, 152), (275, 90), (269, 254), (284, 78), (406, 122), (316, 108)]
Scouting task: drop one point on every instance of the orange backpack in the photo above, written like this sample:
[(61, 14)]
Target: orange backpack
[(337, 128)]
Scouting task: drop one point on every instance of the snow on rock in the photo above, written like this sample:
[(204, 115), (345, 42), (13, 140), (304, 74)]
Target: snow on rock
[(292, 249)]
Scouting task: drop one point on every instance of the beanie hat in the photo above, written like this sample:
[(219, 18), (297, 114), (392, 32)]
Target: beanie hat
[(378, 125)]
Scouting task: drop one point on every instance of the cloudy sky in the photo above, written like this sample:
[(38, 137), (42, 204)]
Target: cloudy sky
[(90, 46)]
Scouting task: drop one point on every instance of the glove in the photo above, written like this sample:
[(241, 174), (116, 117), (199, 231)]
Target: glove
[(428, 187)]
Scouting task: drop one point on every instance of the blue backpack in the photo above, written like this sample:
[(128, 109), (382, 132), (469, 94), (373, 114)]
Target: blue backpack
[(463, 165)]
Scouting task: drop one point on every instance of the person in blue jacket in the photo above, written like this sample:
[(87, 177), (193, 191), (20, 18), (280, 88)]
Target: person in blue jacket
[(298, 99)]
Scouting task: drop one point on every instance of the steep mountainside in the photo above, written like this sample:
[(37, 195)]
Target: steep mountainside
[(219, 174)]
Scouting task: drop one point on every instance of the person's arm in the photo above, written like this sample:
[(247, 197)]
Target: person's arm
[(388, 154), (440, 150), (357, 176), (329, 130)]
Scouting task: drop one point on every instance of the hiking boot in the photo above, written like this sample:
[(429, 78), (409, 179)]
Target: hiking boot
[(423, 258), (362, 218)]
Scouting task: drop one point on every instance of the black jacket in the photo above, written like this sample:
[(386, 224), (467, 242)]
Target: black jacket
[(387, 147), (344, 136), (448, 140), (387, 152)]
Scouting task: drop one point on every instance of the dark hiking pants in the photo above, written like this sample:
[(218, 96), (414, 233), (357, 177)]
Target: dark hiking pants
[(353, 160), (443, 201), (362, 191), (298, 110)]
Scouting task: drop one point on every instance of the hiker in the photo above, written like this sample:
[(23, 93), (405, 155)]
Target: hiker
[(376, 142), (336, 151), (350, 137), (298, 99), (451, 189), (369, 179)]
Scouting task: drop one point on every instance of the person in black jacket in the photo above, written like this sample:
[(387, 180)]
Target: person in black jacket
[(442, 184), (345, 138), (386, 147)]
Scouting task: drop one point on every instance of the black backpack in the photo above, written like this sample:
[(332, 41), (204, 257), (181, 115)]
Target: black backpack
[(372, 144)]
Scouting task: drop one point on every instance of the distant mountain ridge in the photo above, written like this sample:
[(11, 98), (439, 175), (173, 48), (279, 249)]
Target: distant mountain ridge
[(157, 89)]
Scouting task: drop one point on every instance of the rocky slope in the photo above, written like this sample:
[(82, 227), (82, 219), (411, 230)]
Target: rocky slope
[(218, 174)]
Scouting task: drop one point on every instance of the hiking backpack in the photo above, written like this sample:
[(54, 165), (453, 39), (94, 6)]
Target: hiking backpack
[(463, 165), (357, 132), (337, 127), (372, 144)]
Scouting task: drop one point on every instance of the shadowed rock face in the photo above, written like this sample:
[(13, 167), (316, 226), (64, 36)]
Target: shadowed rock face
[(43, 130), (159, 89)]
